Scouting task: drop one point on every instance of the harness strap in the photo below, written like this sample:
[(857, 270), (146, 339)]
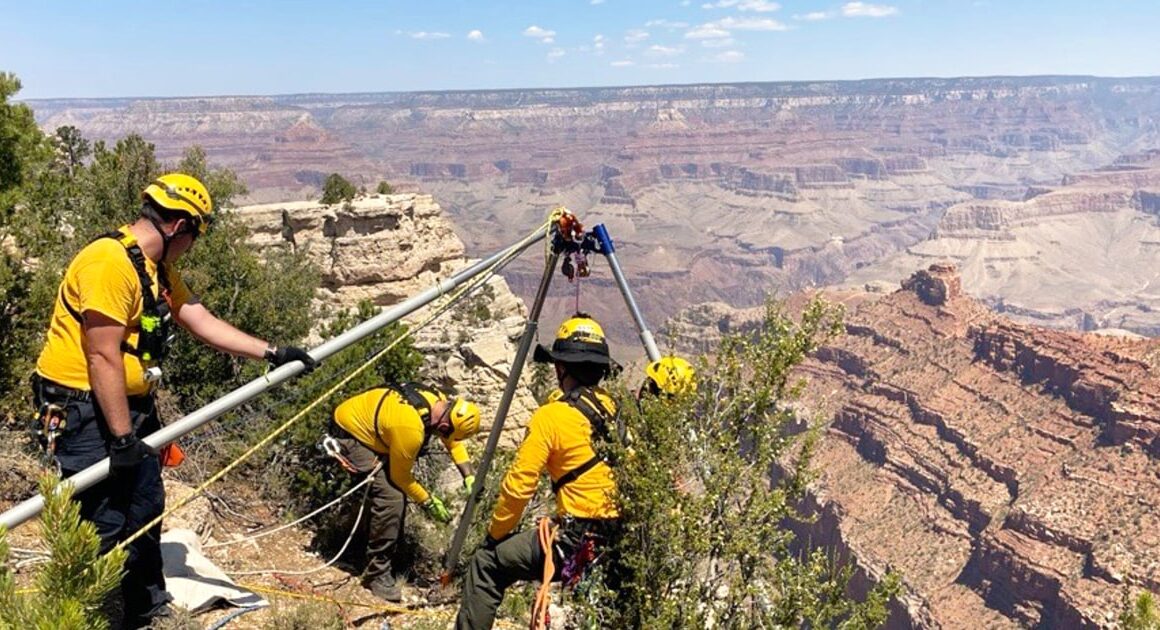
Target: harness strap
[(412, 394), (574, 474), (149, 304), (584, 400)]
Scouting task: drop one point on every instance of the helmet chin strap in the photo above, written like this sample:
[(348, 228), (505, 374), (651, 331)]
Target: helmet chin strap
[(165, 238)]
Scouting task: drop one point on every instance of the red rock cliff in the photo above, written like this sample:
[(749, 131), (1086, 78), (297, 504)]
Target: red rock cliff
[(1010, 473)]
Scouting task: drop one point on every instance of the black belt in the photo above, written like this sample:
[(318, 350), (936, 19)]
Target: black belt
[(51, 389), (600, 527)]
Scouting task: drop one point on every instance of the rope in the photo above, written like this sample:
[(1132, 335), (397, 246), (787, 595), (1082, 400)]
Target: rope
[(369, 478), (546, 531), (354, 529), (224, 621), (453, 299)]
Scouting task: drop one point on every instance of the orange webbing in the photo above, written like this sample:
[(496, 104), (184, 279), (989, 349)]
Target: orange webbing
[(547, 532)]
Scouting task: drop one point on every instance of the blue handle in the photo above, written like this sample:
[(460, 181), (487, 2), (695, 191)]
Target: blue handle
[(605, 240)]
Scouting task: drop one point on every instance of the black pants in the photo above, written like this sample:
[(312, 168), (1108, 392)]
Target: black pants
[(386, 502), (121, 504)]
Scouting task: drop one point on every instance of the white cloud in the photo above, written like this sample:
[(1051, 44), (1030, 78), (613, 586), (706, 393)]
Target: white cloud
[(730, 56), (722, 29), (622, 63), (598, 44), (656, 50), (751, 24), (428, 35), (814, 16), (724, 42), (708, 30), (555, 54), (760, 6), (544, 35), (663, 23), (663, 66), (635, 36), (476, 35), (862, 9)]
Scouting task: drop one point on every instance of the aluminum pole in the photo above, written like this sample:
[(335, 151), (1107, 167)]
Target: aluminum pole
[(501, 412), (609, 251), (94, 474)]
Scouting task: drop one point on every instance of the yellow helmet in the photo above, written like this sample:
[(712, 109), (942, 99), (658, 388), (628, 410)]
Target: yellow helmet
[(182, 193), (672, 375), (579, 340), (464, 419)]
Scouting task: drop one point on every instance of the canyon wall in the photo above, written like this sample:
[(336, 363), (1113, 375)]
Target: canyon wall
[(387, 248)]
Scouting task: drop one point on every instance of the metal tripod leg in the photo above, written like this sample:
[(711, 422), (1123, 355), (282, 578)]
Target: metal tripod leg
[(609, 251), (500, 415)]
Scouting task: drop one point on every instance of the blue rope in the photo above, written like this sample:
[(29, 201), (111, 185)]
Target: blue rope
[(234, 615)]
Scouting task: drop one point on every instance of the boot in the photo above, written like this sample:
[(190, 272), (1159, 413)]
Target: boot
[(387, 588)]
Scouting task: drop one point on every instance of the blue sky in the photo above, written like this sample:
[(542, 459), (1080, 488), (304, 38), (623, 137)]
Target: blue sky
[(164, 48)]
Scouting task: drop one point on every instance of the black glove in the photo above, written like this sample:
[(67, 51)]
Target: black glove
[(126, 453), (281, 356)]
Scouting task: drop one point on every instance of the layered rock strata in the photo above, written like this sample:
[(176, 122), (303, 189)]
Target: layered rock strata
[(1009, 473), (714, 190)]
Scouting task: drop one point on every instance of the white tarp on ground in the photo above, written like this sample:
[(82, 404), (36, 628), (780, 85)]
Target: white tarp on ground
[(195, 583)]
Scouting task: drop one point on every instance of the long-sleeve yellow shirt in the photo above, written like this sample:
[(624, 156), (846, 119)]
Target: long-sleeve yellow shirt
[(559, 438), (399, 436)]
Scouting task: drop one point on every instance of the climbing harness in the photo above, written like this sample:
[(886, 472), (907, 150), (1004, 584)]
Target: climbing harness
[(412, 394), (585, 400), (154, 338), (576, 540)]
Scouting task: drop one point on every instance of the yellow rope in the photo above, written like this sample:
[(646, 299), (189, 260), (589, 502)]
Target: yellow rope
[(317, 401)]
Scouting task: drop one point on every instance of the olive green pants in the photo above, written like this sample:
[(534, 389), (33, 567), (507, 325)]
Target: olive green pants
[(385, 502), (493, 569)]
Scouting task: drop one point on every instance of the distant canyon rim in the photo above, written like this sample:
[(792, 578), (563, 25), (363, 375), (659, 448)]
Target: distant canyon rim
[(1043, 190)]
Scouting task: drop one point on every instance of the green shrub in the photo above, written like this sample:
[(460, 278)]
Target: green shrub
[(1140, 613), (305, 616), (717, 551), (70, 588), (336, 189)]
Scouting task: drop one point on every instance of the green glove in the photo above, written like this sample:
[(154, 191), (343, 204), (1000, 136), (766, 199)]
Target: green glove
[(469, 483), (436, 510)]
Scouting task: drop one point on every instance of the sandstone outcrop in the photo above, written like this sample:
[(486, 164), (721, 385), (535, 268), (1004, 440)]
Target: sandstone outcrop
[(1010, 473), (386, 248)]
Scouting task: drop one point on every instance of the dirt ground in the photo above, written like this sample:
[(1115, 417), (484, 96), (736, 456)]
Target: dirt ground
[(268, 566)]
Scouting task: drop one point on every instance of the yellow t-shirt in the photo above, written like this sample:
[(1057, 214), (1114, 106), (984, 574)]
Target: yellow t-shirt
[(101, 278), (399, 436), (559, 438)]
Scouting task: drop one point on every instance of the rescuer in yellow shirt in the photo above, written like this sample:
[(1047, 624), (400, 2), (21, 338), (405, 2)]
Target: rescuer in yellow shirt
[(561, 439), (94, 380), (391, 425)]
